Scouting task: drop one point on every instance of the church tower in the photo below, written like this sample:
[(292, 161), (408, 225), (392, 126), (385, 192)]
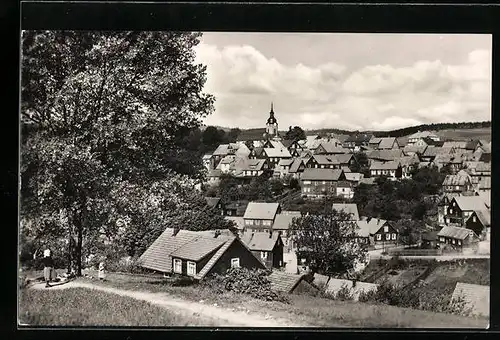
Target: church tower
[(272, 124)]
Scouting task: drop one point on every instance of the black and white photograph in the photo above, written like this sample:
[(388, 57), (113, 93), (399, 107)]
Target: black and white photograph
[(253, 179)]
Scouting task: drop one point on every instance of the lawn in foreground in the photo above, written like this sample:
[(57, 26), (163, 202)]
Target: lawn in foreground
[(314, 311), (81, 307)]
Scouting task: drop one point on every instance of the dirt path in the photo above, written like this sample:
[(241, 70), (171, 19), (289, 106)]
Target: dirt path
[(226, 317)]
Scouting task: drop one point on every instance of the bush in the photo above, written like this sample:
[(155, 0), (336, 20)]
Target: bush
[(244, 281), (344, 294)]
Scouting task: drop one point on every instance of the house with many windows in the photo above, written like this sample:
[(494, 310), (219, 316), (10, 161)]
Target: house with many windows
[(455, 237), (479, 222), (316, 183), (260, 216), (377, 232), (457, 184), (462, 207), (198, 254), (392, 169), (357, 142), (345, 189)]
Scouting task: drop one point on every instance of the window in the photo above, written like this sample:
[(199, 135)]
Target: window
[(473, 218), (387, 237), (459, 242), (229, 212), (441, 239), (393, 236), (453, 241), (379, 237), (266, 223), (191, 268), (235, 263), (322, 166), (451, 211), (177, 266), (386, 229), (323, 182), (263, 255), (307, 182)]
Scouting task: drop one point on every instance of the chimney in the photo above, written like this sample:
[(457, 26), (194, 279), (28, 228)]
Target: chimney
[(270, 234), (176, 231)]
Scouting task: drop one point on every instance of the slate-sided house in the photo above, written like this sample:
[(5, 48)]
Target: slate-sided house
[(456, 237), (197, 254), (457, 184), (320, 182), (377, 232), (479, 222), (461, 208), (266, 246), (443, 207), (391, 169), (260, 216), (429, 240)]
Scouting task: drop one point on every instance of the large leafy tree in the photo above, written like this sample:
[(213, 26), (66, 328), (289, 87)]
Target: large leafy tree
[(295, 133), (328, 242), (102, 111)]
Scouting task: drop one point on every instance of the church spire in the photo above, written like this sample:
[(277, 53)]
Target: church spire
[(272, 111)]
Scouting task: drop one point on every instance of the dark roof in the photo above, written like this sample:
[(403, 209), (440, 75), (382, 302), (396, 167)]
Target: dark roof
[(484, 217), (240, 206), (312, 174), (455, 232), (430, 236), (212, 201), (287, 142), (199, 247), (284, 282)]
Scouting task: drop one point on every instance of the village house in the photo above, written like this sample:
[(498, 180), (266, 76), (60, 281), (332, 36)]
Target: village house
[(274, 155), (384, 155), (411, 150), (197, 254), (331, 161), (257, 153), (457, 184), (384, 143), (442, 206), (461, 208), (297, 168), (414, 138), (484, 185), (455, 237), (431, 152), (283, 168), (357, 142), (330, 149), (429, 240), (354, 177), (273, 144), (480, 171), (282, 224), (266, 246), (377, 232), (391, 169), (408, 164), (234, 208), (316, 183), (345, 189), (289, 283), (479, 222), (259, 216), (213, 177), (312, 142), (226, 164), (253, 167)]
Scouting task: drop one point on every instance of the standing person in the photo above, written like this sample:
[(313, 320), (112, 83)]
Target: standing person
[(102, 271), (48, 267)]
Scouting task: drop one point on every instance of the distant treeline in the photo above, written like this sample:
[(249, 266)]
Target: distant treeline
[(432, 127), (253, 134)]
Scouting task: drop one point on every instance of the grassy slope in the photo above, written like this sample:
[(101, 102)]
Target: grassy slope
[(78, 307), (313, 311), (466, 134)]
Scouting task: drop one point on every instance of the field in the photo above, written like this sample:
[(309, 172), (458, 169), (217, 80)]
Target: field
[(304, 310), (76, 307), (466, 134)]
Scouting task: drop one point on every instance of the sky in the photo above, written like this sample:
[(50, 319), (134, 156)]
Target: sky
[(346, 81)]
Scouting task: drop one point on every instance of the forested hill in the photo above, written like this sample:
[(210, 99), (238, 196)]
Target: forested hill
[(432, 127)]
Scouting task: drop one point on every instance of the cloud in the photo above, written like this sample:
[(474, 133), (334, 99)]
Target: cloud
[(244, 82)]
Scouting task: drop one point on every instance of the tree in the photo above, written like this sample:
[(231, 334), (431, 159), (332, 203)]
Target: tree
[(211, 137), (361, 164), (430, 178), (108, 110), (328, 242), (410, 231), (233, 134), (295, 133)]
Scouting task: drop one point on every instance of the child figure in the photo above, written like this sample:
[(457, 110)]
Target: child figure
[(102, 273), (48, 267)]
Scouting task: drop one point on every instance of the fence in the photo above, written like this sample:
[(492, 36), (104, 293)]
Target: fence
[(415, 252)]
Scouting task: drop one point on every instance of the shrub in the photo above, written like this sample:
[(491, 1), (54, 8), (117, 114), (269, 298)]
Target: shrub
[(344, 294), (182, 281), (244, 281)]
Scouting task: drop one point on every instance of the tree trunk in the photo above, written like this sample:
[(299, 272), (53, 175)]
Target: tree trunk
[(79, 251)]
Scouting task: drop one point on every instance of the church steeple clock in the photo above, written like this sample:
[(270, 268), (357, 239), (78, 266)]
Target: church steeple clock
[(272, 124)]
